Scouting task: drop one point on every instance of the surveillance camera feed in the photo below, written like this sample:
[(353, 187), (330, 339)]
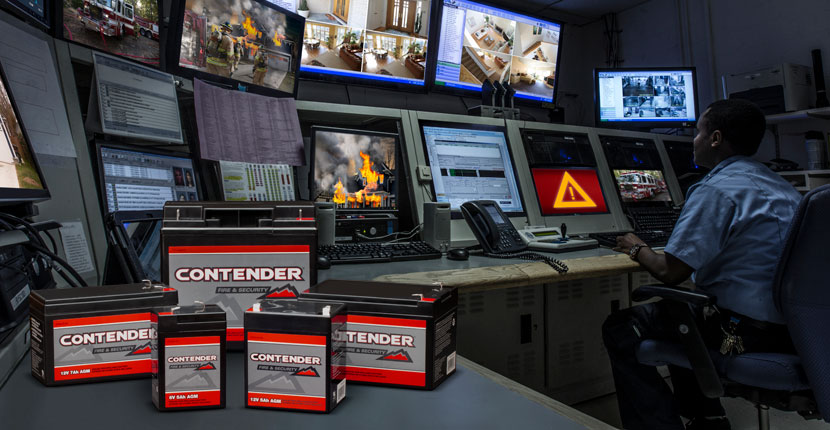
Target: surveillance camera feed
[(243, 40), (128, 28), (17, 166), (646, 95), (355, 171), (642, 186)]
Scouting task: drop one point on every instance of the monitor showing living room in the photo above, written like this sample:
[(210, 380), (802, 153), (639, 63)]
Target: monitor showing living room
[(481, 43)]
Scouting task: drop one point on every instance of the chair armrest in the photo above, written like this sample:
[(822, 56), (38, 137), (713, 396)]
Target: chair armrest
[(698, 298)]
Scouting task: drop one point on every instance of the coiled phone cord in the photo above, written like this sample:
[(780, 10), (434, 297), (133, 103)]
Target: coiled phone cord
[(552, 262)]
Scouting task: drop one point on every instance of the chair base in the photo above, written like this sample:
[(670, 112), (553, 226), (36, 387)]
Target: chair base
[(799, 401)]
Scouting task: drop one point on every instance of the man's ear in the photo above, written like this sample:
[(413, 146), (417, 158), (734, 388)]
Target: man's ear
[(717, 139)]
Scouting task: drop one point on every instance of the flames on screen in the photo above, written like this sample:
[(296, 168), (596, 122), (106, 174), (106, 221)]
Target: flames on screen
[(362, 198), (354, 171)]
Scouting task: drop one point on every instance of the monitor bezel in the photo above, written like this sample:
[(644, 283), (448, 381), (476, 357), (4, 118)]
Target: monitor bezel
[(10, 196), (14, 8), (518, 100), (456, 213), (399, 159), (174, 43), (646, 124), (602, 138), (102, 191)]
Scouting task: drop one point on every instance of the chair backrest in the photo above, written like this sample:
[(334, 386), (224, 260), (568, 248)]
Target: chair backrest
[(802, 290)]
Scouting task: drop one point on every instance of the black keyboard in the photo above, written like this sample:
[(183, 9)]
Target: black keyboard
[(654, 218), (366, 252), (650, 237)]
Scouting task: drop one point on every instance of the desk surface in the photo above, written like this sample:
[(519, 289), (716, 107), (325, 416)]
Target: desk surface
[(472, 398)]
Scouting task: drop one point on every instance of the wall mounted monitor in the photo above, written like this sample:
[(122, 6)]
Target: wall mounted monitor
[(258, 51), (471, 162), (357, 170), (637, 170), (133, 178), (36, 12), (127, 28), (682, 158), (20, 177), (645, 98), (478, 42)]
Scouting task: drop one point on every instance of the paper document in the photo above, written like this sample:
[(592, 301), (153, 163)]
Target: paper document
[(75, 246), (249, 182), (237, 126)]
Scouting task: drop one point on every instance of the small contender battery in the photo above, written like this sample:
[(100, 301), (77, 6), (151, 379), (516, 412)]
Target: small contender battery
[(189, 357), (295, 355), (396, 334), (94, 334)]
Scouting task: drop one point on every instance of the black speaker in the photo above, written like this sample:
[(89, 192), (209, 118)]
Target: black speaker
[(487, 93), (509, 93), (325, 212), (437, 225), (499, 101), (818, 74)]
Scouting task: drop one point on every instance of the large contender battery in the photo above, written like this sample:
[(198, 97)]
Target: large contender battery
[(94, 334), (295, 354), (396, 334), (189, 357), (233, 254)]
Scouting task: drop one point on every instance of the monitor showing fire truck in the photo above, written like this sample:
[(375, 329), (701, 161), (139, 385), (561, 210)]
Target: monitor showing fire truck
[(637, 186), (355, 169), (128, 28), (250, 41)]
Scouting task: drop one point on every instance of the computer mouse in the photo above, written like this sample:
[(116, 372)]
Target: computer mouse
[(458, 254), (323, 262)]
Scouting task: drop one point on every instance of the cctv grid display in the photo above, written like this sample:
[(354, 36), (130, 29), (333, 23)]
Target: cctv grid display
[(646, 96), (479, 42)]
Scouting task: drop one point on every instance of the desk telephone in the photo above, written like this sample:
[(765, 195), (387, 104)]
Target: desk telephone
[(497, 236)]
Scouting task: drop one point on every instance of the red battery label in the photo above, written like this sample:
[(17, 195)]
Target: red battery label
[(96, 347), (386, 350), (192, 371)]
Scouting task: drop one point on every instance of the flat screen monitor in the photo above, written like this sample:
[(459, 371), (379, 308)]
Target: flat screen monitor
[(471, 162), (127, 28), (37, 12), (20, 176), (637, 170), (478, 42), (356, 170), (682, 158), (382, 42), (138, 179), (645, 98), (250, 43)]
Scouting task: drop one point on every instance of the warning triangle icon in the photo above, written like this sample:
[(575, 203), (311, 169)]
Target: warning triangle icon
[(571, 195)]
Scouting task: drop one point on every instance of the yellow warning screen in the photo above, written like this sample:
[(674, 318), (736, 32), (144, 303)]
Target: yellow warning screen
[(568, 191)]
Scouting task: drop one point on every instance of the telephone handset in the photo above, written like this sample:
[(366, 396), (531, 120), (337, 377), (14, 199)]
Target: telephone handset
[(497, 236)]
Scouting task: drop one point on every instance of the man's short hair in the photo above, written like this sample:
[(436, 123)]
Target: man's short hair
[(740, 121)]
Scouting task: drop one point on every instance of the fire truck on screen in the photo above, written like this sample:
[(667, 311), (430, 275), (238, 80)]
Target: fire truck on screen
[(640, 185), (115, 18)]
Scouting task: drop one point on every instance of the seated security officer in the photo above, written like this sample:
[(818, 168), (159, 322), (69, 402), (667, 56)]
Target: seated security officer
[(729, 238)]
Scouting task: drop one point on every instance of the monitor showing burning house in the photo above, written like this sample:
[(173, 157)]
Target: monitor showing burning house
[(250, 41), (355, 169), (127, 28)]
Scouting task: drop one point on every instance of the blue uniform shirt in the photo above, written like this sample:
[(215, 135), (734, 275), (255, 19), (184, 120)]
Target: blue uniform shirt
[(731, 232)]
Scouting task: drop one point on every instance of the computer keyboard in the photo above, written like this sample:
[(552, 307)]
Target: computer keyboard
[(651, 237), (660, 218), (366, 252)]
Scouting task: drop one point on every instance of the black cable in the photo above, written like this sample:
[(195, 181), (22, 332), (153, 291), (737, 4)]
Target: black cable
[(552, 262), (60, 261), (34, 233), (52, 239)]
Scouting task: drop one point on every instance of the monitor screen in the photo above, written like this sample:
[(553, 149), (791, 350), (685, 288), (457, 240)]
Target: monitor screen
[(378, 40), (38, 10), (638, 186), (568, 191), (134, 179), (471, 162), (682, 158), (558, 149), (646, 96), (479, 42), (355, 169), (128, 28), (20, 176), (249, 41)]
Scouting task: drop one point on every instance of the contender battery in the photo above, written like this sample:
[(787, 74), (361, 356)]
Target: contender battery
[(396, 334), (295, 355), (233, 254), (94, 334), (188, 357)]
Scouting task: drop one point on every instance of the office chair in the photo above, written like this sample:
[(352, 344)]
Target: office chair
[(801, 292)]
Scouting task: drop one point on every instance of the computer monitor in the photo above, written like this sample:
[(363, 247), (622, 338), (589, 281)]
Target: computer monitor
[(645, 98), (127, 28), (199, 48), (478, 42), (356, 170), (20, 177), (637, 171), (36, 12), (377, 42), (471, 162), (139, 179), (682, 158)]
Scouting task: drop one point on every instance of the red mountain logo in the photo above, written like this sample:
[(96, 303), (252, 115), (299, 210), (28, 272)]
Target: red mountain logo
[(399, 355), (308, 371), (207, 366), (287, 291), (141, 350)]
